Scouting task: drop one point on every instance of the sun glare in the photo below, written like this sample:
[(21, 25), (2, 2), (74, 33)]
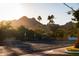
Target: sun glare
[(10, 11)]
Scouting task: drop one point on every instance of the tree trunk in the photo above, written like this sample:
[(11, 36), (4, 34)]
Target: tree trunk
[(77, 42)]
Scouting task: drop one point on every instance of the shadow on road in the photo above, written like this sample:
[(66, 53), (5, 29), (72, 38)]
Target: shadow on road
[(18, 47)]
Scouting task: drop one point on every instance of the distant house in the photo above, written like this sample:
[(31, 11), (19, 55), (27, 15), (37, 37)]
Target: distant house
[(72, 38)]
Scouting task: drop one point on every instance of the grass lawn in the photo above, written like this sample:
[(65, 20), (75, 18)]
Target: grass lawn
[(72, 51)]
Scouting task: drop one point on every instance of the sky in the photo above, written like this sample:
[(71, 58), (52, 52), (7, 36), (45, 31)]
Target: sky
[(10, 11)]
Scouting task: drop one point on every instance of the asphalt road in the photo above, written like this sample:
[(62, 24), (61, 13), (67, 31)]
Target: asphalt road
[(52, 52)]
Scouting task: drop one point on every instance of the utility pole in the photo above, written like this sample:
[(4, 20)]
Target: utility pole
[(25, 35)]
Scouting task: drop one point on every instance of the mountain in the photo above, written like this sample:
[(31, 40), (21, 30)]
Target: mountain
[(68, 25), (30, 23), (50, 30)]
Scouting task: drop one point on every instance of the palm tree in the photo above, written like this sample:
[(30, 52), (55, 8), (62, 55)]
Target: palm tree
[(50, 18), (39, 18), (75, 13)]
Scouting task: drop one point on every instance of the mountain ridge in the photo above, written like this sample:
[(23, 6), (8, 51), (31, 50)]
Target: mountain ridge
[(30, 23)]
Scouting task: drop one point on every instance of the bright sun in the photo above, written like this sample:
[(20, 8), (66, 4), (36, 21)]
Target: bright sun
[(10, 11)]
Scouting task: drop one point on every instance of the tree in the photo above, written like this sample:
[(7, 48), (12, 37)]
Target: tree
[(75, 13), (59, 34), (50, 18), (21, 33), (39, 18), (4, 29)]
